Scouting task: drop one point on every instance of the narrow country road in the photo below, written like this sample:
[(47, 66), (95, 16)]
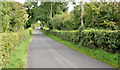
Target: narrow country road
[(44, 52)]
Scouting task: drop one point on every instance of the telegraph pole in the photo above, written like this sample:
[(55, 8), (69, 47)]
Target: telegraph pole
[(51, 8), (82, 6)]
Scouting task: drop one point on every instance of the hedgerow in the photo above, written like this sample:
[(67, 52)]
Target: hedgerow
[(101, 39), (14, 16), (10, 41), (65, 35), (107, 40)]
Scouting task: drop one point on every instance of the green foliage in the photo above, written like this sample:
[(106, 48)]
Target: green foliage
[(98, 15), (13, 16), (107, 40), (43, 12), (61, 22), (31, 10), (77, 16), (19, 58), (100, 39), (10, 41), (101, 55), (35, 25), (64, 35), (81, 28)]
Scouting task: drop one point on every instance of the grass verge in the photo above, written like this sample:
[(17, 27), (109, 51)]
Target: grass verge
[(19, 58), (109, 58)]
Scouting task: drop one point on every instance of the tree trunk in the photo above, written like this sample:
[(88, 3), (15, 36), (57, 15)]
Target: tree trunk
[(82, 6)]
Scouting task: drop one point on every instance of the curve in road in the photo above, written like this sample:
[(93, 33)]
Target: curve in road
[(44, 52)]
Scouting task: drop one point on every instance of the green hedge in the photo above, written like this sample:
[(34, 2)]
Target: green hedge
[(65, 35), (107, 40), (13, 16), (102, 39), (9, 41)]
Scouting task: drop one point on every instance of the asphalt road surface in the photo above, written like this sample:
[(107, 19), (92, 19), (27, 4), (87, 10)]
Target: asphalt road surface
[(44, 52)]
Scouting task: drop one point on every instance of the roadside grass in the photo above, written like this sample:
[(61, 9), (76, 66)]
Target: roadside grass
[(18, 58), (106, 57)]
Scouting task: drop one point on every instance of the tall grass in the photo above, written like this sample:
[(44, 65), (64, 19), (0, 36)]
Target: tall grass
[(18, 59)]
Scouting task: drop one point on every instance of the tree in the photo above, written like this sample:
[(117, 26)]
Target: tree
[(45, 11), (62, 22), (30, 7), (77, 16), (98, 15), (14, 16)]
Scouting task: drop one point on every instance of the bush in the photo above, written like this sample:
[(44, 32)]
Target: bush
[(61, 22), (81, 28), (102, 39), (10, 41), (13, 16), (107, 40), (64, 35)]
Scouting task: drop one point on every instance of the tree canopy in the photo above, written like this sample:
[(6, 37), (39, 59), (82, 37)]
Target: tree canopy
[(98, 15), (43, 11), (14, 16)]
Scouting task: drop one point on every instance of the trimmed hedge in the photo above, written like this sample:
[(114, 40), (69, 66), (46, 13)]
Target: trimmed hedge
[(102, 39), (64, 35), (107, 40), (9, 41), (13, 16)]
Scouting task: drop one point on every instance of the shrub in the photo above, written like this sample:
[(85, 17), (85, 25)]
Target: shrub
[(81, 28), (13, 16), (102, 39), (61, 22), (9, 41), (65, 35), (107, 40)]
